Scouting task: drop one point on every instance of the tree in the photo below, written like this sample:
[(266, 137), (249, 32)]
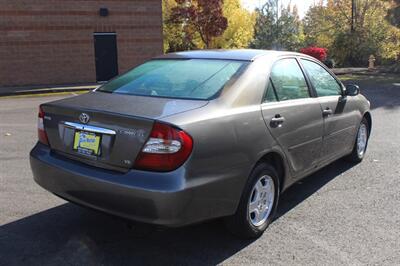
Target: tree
[(329, 26), (274, 31), (176, 36), (393, 15), (240, 29), (265, 28), (318, 31), (290, 34), (202, 17), (391, 46)]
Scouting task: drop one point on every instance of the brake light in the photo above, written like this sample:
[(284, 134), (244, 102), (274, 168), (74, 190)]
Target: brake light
[(42, 135), (166, 149)]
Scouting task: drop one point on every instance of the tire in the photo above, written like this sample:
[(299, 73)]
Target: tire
[(243, 224), (358, 152)]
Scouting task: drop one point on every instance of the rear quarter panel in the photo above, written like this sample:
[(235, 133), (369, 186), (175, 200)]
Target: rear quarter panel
[(227, 144)]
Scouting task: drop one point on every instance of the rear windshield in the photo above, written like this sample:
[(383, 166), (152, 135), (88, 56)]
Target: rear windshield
[(190, 79)]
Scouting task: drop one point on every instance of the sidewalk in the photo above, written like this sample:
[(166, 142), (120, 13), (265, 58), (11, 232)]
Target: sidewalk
[(13, 91)]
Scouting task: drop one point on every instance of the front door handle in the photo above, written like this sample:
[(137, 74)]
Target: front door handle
[(277, 121), (327, 112)]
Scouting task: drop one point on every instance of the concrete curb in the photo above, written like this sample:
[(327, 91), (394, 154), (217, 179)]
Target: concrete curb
[(17, 92), (353, 70)]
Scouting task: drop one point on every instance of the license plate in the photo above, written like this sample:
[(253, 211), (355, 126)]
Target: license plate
[(87, 143)]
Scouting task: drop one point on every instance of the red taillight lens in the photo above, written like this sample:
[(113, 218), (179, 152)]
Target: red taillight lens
[(166, 149), (41, 131)]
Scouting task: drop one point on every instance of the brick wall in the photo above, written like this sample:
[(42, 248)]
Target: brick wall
[(51, 41)]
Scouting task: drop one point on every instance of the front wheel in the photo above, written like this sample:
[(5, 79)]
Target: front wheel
[(360, 146), (258, 203)]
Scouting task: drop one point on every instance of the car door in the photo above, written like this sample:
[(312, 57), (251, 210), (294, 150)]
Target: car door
[(292, 116), (339, 111)]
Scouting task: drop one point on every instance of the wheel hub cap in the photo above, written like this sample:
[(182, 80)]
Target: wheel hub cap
[(261, 200), (362, 138)]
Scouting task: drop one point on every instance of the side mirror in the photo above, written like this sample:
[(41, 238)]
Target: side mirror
[(352, 90)]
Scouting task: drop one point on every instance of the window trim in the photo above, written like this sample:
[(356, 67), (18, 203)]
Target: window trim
[(264, 99), (311, 91), (342, 88)]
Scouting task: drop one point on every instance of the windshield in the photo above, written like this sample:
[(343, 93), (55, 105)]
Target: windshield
[(192, 78)]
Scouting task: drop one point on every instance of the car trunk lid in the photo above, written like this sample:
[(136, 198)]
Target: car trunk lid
[(117, 125)]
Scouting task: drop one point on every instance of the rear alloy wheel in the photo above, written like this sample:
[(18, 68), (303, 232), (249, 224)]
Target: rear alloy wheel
[(360, 146), (258, 204), (261, 200)]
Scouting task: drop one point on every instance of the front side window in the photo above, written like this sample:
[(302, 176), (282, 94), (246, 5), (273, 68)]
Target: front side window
[(323, 82), (182, 78), (288, 80)]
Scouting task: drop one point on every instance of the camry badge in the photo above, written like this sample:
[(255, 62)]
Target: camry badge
[(84, 118)]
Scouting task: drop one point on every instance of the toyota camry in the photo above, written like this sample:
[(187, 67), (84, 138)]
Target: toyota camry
[(192, 136)]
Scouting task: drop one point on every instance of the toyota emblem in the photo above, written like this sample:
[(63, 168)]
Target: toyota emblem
[(84, 118)]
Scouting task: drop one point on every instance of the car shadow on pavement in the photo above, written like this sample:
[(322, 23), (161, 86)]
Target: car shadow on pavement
[(71, 235), (303, 189)]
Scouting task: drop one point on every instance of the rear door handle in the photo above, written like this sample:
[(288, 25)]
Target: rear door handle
[(327, 112), (277, 121)]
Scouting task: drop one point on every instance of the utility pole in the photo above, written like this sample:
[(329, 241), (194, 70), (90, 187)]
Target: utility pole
[(353, 15)]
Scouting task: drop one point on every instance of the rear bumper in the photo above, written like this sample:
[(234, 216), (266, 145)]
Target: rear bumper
[(156, 198)]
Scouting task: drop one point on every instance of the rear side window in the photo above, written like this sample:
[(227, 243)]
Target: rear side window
[(190, 79), (288, 80), (323, 82)]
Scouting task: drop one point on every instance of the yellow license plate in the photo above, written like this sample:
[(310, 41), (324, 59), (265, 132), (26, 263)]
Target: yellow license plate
[(87, 143)]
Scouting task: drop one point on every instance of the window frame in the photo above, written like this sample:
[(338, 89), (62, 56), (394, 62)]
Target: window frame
[(264, 99), (310, 88), (342, 88)]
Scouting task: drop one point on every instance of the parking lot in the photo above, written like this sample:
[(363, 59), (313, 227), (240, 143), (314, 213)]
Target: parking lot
[(343, 215)]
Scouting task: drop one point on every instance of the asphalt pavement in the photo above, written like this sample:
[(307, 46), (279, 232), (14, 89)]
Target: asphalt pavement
[(344, 214)]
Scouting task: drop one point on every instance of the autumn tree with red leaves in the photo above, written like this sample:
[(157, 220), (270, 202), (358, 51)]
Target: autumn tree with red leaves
[(204, 17)]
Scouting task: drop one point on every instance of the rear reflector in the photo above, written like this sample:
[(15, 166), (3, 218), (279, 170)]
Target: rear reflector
[(42, 136), (166, 149)]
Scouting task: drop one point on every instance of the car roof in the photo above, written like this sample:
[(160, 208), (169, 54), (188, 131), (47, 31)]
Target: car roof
[(239, 54)]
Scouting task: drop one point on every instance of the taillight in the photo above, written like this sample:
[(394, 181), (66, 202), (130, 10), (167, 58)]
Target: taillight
[(166, 149), (41, 131)]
